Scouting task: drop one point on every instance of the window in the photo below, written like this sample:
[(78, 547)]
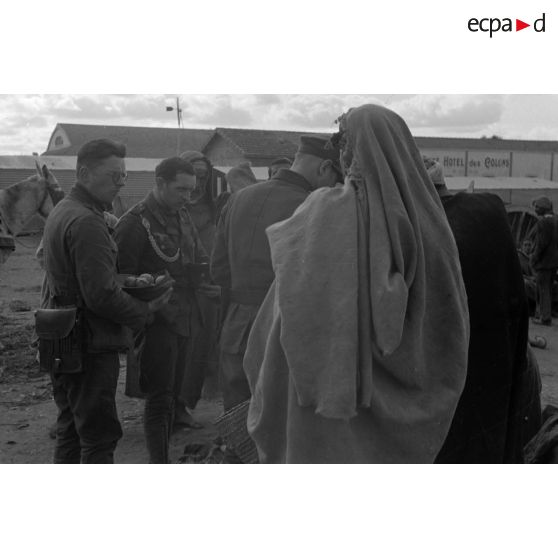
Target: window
[(58, 140)]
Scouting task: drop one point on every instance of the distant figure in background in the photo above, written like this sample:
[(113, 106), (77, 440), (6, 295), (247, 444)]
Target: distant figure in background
[(241, 260), (237, 178), (204, 360), (281, 163), (499, 409), (202, 201), (544, 258), (240, 176)]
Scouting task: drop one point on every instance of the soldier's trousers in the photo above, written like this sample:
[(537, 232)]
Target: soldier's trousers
[(87, 427), (162, 369), (204, 358)]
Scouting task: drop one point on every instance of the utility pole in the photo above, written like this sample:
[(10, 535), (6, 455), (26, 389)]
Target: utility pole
[(178, 121)]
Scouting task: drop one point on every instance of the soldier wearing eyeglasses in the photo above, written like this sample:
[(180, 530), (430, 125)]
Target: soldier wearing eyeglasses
[(80, 265)]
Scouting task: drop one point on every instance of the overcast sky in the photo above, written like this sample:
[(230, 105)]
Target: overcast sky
[(28, 120)]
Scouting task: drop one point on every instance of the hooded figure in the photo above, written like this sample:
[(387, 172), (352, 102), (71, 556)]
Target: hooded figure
[(359, 351), (499, 409), (202, 202), (204, 358)]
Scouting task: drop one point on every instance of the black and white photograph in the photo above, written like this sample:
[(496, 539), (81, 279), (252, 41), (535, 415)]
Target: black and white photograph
[(292, 270), (279, 278)]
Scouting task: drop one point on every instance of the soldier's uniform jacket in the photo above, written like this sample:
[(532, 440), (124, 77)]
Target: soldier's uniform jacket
[(151, 239), (241, 259), (80, 264)]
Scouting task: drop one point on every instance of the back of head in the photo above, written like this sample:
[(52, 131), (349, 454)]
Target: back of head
[(95, 151), (240, 176), (376, 141), (542, 205), (318, 161)]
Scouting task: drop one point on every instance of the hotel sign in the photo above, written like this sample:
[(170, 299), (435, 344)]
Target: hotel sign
[(494, 163), (472, 163)]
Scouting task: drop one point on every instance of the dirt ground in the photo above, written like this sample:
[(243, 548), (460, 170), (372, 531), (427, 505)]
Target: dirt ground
[(26, 407)]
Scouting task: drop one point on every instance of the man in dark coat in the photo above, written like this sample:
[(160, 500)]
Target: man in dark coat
[(544, 259), (80, 263), (158, 235), (241, 260), (502, 388)]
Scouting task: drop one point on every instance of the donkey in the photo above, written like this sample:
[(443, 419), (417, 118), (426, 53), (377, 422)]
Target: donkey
[(20, 202)]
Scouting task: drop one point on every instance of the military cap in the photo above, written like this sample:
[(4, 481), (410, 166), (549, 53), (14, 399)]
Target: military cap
[(318, 146)]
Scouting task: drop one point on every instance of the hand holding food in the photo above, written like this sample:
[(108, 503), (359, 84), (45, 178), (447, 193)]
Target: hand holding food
[(143, 280)]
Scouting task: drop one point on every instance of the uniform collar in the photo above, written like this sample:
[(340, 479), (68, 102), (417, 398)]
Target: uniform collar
[(159, 211), (81, 194), (287, 175)]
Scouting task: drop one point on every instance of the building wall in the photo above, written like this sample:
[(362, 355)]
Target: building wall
[(554, 167), (532, 165), (495, 163), (489, 163), (453, 161)]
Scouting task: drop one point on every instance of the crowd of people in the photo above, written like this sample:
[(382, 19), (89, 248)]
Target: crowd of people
[(355, 311)]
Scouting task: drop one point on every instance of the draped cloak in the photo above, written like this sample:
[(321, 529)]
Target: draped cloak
[(359, 351)]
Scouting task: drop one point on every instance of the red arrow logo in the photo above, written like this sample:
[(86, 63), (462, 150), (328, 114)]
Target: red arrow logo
[(519, 25)]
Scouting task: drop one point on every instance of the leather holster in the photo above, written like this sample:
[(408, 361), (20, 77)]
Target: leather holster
[(60, 340)]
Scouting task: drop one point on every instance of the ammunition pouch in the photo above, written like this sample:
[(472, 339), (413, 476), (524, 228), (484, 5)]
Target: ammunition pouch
[(60, 340)]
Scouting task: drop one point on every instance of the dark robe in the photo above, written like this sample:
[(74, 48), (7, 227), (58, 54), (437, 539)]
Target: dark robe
[(499, 409)]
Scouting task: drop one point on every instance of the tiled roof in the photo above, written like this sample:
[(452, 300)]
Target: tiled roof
[(158, 143), (142, 142), (264, 143)]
